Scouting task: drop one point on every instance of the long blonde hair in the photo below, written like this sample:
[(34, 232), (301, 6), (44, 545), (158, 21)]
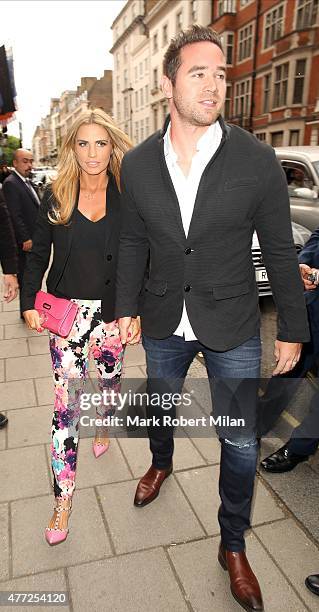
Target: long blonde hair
[(65, 186)]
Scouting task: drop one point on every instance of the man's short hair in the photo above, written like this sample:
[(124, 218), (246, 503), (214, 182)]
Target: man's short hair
[(172, 57)]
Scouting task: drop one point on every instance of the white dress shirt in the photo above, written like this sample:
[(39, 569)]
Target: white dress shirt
[(186, 190)]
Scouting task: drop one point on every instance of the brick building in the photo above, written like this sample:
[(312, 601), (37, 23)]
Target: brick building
[(273, 66)]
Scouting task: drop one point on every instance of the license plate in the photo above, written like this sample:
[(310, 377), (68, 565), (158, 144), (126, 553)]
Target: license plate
[(261, 275)]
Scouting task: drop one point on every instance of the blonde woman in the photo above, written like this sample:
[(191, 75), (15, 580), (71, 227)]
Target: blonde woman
[(79, 216)]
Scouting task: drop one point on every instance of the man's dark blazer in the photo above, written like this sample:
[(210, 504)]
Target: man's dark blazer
[(242, 189), (8, 247), (60, 237), (310, 256), (23, 207)]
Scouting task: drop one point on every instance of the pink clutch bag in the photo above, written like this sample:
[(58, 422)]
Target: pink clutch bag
[(58, 314)]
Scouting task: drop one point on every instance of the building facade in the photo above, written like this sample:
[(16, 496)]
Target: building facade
[(272, 51)]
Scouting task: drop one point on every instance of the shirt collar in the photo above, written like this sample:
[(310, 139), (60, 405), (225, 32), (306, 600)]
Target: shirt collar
[(204, 144), (20, 175)]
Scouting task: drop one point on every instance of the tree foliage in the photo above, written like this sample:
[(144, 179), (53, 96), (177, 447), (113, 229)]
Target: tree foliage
[(11, 145)]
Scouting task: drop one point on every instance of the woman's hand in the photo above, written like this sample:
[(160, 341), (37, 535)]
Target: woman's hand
[(33, 320), (134, 331)]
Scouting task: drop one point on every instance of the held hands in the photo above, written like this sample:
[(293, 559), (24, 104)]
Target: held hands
[(287, 355), (10, 287), (130, 330), (27, 245), (33, 320), (304, 271)]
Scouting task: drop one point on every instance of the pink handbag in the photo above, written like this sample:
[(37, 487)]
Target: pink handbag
[(58, 313)]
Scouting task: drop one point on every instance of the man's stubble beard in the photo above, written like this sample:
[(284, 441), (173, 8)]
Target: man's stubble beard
[(192, 117)]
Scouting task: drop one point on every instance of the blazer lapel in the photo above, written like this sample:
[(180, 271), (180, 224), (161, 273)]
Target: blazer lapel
[(172, 200)]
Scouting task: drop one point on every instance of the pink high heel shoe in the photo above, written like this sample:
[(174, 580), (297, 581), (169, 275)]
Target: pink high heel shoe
[(99, 448), (55, 535)]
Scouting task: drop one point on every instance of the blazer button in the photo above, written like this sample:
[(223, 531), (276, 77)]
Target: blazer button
[(187, 288), (188, 251), (107, 282), (109, 257)]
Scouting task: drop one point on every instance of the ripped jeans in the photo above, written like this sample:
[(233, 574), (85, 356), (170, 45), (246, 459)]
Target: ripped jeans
[(234, 378)]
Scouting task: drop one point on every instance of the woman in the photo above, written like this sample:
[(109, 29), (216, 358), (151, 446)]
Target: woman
[(79, 216)]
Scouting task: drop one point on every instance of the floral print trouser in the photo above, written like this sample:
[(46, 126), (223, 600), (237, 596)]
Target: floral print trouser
[(89, 336)]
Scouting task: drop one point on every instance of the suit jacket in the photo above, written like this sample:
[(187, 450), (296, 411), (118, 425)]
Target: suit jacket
[(8, 247), (60, 236), (242, 189), (310, 256), (22, 205)]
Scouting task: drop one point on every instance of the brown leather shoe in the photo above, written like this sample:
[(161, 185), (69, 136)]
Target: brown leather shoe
[(243, 582), (149, 486)]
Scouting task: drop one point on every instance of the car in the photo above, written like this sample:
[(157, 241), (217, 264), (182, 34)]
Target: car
[(301, 167), (300, 235), (41, 177)]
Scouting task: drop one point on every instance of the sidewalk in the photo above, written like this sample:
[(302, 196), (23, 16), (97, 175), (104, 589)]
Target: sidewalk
[(117, 557)]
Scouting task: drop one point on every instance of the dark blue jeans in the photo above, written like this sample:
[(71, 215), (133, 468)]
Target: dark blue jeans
[(234, 377)]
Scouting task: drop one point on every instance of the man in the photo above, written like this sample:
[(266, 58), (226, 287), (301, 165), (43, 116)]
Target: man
[(192, 196), (9, 264), (23, 204), (304, 438), (4, 171)]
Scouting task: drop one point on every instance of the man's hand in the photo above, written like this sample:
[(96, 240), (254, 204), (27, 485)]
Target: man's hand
[(10, 287), (27, 245), (124, 325), (33, 320), (304, 271), (287, 355)]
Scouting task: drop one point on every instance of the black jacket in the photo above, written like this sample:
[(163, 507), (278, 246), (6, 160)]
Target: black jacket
[(60, 236), (22, 205), (8, 247), (242, 189)]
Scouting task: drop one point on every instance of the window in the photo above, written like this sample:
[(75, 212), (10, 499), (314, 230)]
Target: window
[(306, 13), (165, 35), (146, 65), (125, 54), (117, 84), (300, 72), (136, 131), (117, 61), (277, 139), (245, 42), (242, 98), (228, 98), (147, 126), (146, 94), (281, 85), (142, 97), (125, 78), (136, 99), (179, 21), (155, 78), (125, 107), (118, 110), (155, 115), (228, 46), (193, 11), (314, 138), (273, 25), (294, 138), (142, 130), (244, 2), (141, 69), (267, 92), (135, 73), (165, 110), (261, 136), (155, 43), (226, 6)]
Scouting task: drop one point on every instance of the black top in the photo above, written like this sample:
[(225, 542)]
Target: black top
[(8, 247), (84, 275)]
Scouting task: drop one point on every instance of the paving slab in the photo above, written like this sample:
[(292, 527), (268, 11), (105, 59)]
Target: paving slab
[(295, 554), (138, 454), (87, 539), (206, 584), (23, 474), (46, 581), (19, 330), (209, 448), (8, 318), (17, 394), (10, 306), (35, 366), (134, 355), (1, 370), (39, 345), (29, 426), (1, 332), (16, 348), (4, 542), (133, 372), (45, 390), (168, 519), (110, 467), (3, 435), (138, 582), (201, 487)]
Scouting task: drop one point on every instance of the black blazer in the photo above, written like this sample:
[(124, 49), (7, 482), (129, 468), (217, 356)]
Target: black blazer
[(8, 247), (22, 205), (242, 189), (60, 236)]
